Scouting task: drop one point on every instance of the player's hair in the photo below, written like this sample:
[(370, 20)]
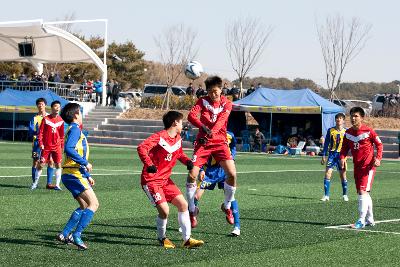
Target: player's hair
[(170, 117), (41, 99), (359, 110), (69, 111), (213, 81), (340, 115), (55, 102)]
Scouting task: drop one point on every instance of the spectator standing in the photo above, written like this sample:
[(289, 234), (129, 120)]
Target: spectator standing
[(258, 139), (98, 87), (109, 97), (89, 89), (225, 89), (115, 92), (200, 92), (250, 90), (190, 89)]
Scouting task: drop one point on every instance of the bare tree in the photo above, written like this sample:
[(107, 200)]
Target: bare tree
[(340, 42), (245, 42), (176, 45)]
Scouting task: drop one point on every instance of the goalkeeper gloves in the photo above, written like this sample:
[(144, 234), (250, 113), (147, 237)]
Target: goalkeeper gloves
[(189, 165), (152, 169)]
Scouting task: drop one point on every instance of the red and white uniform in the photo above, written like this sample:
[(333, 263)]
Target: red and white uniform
[(51, 136), (161, 151), (215, 116), (361, 143)]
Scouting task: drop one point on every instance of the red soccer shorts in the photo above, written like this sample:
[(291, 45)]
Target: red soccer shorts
[(202, 152), (55, 154), (161, 191), (364, 178)]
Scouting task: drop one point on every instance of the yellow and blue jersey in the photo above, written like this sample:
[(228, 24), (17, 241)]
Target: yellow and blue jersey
[(333, 140), (34, 127), (214, 173)]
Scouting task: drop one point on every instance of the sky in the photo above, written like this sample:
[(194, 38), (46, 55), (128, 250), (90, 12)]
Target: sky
[(293, 50)]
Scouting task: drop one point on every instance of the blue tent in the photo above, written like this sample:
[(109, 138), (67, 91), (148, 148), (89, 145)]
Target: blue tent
[(302, 101), (25, 101)]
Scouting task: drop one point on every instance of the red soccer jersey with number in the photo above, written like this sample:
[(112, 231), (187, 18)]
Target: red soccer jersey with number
[(361, 143), (214, 115), (162, 151), (51, 134)]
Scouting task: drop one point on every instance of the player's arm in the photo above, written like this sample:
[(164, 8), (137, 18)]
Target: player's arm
[(144, 148), (61, 134), (185, 159), (223, 118), (72, 139), (193, 116), (41, 133), (344, 151), (31, 128), (379, 148), (326, 146)]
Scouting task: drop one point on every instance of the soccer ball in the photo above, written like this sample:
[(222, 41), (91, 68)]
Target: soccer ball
[(193, 70)]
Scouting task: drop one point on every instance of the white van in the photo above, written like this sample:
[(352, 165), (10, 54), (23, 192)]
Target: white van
[(377, 104), (156, 89)]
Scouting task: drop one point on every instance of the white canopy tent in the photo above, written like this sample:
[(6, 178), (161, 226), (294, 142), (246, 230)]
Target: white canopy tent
[(52, 45)]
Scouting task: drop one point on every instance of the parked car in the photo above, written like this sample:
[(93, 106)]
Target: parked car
[(366, 105), (156, 89), (377, 104), (347, 105), (132, 94)]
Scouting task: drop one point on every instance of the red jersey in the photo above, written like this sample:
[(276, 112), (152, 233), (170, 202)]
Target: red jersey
[(51, 134), (214, 115), (161, 151), (361, 142)]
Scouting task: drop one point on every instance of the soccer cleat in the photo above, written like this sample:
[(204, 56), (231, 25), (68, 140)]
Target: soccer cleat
[(235, 232), (57, 188), (50, 186), (228, 213), (345, 198), (166, 243), (66, 240), (370, 223), (192, 243), (193, 217), (358, 225), (325, 198), (78, 242), (34, 186)]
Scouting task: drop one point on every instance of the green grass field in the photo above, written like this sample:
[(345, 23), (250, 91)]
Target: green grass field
[(283, 221)]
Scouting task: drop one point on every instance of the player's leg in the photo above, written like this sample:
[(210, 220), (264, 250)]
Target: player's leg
[(364, 179), (50, 173), (369, 218), (57, 157), (229, 188), (343, 179), (327, 183), (161, 222), (236, 218), (184, 222), (89, 197), (65, 236), (44, 157)]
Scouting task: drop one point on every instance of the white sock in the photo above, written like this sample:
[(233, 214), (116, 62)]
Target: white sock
[(58, 177), (370, 214), (190, 192), (229, 192), (161, 227), (363, 207), (184, 223), (37, 176)]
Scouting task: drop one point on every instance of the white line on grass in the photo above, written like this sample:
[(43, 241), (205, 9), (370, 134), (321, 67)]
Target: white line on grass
[(347, 227)]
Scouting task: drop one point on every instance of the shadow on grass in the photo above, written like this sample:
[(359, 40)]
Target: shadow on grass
[(280, 196), (40, 243), (14, 186)]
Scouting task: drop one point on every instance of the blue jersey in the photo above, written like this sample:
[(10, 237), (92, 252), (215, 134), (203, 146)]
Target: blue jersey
[(333, 140), (75, 174), (214, 173), (33, 130)]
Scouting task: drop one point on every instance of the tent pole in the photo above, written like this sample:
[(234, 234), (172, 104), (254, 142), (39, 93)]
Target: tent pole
[(13, 126)]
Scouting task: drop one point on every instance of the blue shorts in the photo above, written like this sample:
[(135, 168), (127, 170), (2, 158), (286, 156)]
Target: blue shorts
[(36, 151), (75, 183), (214, 175), (333, 161)]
